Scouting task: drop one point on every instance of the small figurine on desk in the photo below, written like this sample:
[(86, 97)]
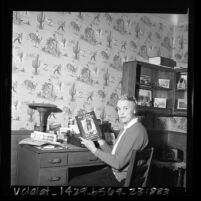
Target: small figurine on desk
[(133, 135)]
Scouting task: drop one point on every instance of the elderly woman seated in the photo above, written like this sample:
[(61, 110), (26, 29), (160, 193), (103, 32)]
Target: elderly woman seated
[(133, 135)]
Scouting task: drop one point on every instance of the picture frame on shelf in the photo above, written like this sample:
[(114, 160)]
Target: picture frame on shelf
[(145, 97), (181, 104), (165, 83), (145, 80), (88, 126), (182, 82), (160, 102)]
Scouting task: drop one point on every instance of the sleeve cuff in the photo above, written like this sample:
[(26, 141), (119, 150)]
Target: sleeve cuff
[(96, 152)]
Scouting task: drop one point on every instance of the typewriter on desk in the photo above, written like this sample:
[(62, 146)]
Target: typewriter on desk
[(74, 140)]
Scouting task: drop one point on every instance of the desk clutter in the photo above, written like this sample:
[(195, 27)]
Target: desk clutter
[(42, 139), (58, 137), (85, 125), (45, 140)]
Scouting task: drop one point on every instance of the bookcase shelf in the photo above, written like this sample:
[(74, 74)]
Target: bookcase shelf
[(141, 110), (154, 85), (180, 90)]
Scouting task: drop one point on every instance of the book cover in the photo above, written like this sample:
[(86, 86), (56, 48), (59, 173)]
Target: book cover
[(162, 61), (88, 126)]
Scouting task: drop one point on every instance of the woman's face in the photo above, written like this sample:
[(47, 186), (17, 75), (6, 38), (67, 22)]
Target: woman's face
[(125, 110)]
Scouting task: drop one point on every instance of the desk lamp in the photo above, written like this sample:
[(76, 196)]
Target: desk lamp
[(44, 111)]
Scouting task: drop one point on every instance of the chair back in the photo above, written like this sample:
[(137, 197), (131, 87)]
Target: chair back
[(138, 169)]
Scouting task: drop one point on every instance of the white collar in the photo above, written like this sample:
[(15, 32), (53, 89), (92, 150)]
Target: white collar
[(133, 121)]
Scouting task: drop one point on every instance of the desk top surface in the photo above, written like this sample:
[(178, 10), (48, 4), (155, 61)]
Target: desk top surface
[(69, 148)]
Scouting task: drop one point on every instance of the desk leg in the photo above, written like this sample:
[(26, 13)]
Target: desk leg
[(180, 177), (67, 176)]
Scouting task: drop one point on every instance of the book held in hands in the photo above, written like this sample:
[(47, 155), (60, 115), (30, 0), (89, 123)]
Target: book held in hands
[(88, 126)]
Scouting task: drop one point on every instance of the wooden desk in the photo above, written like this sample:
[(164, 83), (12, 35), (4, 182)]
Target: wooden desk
[(36, 167)]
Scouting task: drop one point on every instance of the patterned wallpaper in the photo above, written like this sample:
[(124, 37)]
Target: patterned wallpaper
[(74, 60), (180, 44)]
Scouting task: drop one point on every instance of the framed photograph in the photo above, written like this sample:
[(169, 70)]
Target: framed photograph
[(165, 83), (181, 104), (145, 97), (160, 102), (88, 126), (145, 79), (182, 82)]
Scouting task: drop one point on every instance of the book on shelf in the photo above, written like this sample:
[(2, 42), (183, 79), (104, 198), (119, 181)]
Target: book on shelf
[(163, 61)]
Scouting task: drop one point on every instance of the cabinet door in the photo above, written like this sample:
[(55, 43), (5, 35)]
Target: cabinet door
[(28, 165), (130, 72), (15, 138)]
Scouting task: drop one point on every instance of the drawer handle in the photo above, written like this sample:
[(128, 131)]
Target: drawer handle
[(54, 178), (93, 159), (55, 160)]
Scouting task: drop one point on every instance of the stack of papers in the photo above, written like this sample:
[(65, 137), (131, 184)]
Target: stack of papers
[(41, 138)]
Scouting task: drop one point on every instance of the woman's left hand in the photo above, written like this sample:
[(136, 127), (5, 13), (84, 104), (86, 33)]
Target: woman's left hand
[(89, 144)]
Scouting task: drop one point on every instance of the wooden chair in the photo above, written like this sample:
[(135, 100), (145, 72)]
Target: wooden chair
[(138, 170)]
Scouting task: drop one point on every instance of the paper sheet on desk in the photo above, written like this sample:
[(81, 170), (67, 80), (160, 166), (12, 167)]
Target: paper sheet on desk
[(50, 147), (32, 141)]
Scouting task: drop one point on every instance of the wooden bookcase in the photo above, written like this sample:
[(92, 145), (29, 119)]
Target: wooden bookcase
[(155, 88), (141, 80)]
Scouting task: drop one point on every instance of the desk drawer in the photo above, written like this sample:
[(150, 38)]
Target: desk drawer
[(53, 176), (53, 159), (78, 158)]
